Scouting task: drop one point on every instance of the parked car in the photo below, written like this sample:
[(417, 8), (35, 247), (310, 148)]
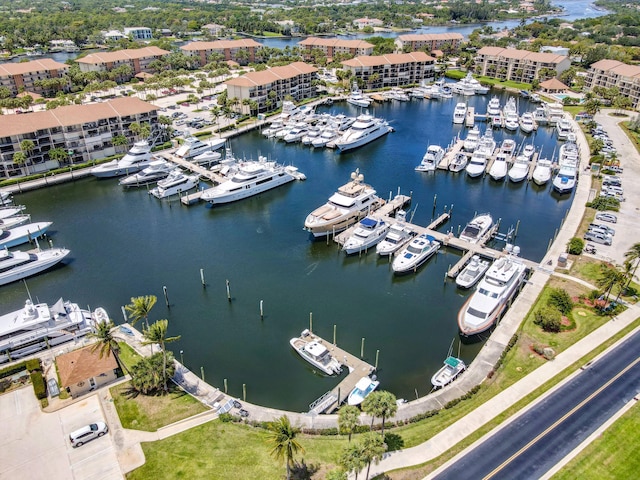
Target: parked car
[(88, 432), (180, 122), (598, 237), (185, 104), (607, 217), (172, 107), (601, 226)]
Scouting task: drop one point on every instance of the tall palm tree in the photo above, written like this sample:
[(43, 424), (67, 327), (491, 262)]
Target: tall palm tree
[(348, 419), (380, 404), (282, 436), (609, 278), (140, 307), (373, 447), (157, 333), (352, 458), (106, 343), (633, 255)]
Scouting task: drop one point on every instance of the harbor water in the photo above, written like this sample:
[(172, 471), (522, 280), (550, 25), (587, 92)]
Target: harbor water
[(126, 243)]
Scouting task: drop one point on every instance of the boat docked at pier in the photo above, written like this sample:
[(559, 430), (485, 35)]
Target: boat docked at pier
[(477, 228), (137, 158), (490, 299), (519, 170), (10, 222), (36, 327), (472, 140), (397, 236), (542, 172), (352, 202), (363, 388), (5, 198), (357, 98), (448, 372), (250, 178), (175, 183), (565, 179), (416, 253), (22, 234), (316, 353), (458, 163), (16, 265), (192, 147), (369, 232), (10, 211), (365, 129), (157, 170), (477, 164), (500, 166), (460, 113), (494, 111), (431, 159), (472, 272), (563, 129), (527, 123)]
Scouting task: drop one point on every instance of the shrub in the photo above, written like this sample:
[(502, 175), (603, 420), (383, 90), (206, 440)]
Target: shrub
[(8, 371), (561, 300), (39, 387), (4, 385), (33, 364), (549, 318), (539, 349), (605, 203), (575, 246), (44, 402)]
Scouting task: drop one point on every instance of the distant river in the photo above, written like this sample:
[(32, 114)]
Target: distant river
[(127, 243)]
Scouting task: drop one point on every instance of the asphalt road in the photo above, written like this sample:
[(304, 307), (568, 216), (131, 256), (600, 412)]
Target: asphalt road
[(534, 442)]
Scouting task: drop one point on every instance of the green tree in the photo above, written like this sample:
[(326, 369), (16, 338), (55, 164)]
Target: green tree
[(119, 141), (351, 458), (560, 299), (373, 448), (157, 333), (140, 307), (380, 404), (348, 419), (146, 375), (633, 256), (27, 146), (575, 246), (20, 159), (608, 279), (282, 437), (549, 318), (106, 344)]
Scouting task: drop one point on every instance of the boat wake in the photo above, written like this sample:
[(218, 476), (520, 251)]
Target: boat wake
[(311, 268)]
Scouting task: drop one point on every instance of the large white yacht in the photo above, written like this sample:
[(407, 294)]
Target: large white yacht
[(476, 165), (472, 140), (315, 352), (418, 251), (14, 221), (36, 327), (490, 299), (542, 172), (431, 159), (494, 110), (22, 234), (176, 182), (157, 170), (251, 178), (137, 158), (358, 99), (352, 201), (364, 130), (563, 128), (476, 228), (192, 147), (460, 113), (527, 123), (500, 166), (16, 265), (369, 232), (398, 235), (565, 180), (520, 169)]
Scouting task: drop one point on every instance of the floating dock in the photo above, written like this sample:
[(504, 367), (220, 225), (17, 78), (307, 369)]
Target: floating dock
[(471, 117), (451, 154)]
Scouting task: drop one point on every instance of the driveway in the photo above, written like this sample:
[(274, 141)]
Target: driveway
[(35, 445)]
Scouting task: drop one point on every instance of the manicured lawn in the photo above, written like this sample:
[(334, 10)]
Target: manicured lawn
[(613, 455), (128, 355), (152, 412)]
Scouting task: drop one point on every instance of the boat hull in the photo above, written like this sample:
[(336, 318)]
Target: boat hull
[(46, 260), (383, 130), (228, 197)]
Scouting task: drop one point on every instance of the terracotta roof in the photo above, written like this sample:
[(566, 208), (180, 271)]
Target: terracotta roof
[(82, 364), (619, 68), (220, 45), (389, 59), (553, 84), (522, 54), (72, 115), (33, 95), (119, 55), (28, 67), (271, 75), (335, 42), (428, 37)]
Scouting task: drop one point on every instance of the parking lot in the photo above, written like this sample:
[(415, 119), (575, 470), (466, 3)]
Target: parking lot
[(35, 445)]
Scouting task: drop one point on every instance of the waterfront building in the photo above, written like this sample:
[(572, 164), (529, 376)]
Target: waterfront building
[(432, 41), (27, 76), (228, 49), (113, 35), (213, 29), (138, 33), (360, 23), (138, 59), (63, 46), (84, 132), (82, 371), (392, 70), (332, 46), (519, 65), (612, 73), (294, 80)]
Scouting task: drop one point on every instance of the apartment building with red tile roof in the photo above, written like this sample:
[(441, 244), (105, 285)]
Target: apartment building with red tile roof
[(392, 70), (24, 76), (138, 59), (228, 49), (332, 46), (612, 73), (519, 65), (433, 41)]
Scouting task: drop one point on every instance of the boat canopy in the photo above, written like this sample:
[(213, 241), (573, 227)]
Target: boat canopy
[(368, 222), (452, 362)]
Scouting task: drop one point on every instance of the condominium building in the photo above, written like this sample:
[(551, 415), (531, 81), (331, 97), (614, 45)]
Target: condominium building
[(137, 58), (139, 33), (85, 132), (268, 88), (432, 41), (392, 70), (360, 23), (241, 51), (519, 65), (214, 29), (332, 46), (24, 76), (611, 73)]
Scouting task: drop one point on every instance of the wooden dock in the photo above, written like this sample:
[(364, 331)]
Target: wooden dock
[(451, 153), (470, 120), (532, 165), (358, 368), (194, 167)]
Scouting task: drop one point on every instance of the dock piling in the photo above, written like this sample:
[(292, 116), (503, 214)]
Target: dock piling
[(202, 373), (244, 392), (166, 296), (377, 354), (225, 385), (261, 310), (311, 322), (334, 334), (124, 314), (515, 233), (204, 284), (228, 291), (362, 348)]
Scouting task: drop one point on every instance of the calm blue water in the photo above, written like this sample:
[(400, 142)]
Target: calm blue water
[(126, 243)]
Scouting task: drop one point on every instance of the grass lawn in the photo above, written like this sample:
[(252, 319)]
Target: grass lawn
[(128, 355), (152, 412), (610, 456)]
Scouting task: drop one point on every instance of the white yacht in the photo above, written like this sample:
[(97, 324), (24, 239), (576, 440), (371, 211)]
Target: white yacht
[(512, 121), (207, 158), (563, 128), (472, 140), (500, 166), (364, 130), (137, 158), (273, 128), (22, 234), (36, 327), (476, 165), (369, 232), (565, 180), (10, 211), (311, 135), (352, 201), (296, 133), (542, 172), (157, 170), (568, 153), (528, 151), (175, 183), (508, 146), (5, 198), (357, 98), (460, 113), (448, 372), (519, 170), (487, 143), (459, 162), (17, 265), (397, 94), (540, 116), (469, 84), (315, 352), (192, 147), (494, 110), (477, 228), (527, 123), (417, 252), (398, 235), (327, 135), (554, 112), (363, 388), (431, 159), (10, 222), (472, 272), (251, 178), (498, 286)]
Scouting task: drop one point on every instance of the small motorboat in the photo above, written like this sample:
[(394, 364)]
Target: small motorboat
[(542, 172), (450, 370), (472, 272), (176, 182), (369, 232), (520, 169), (316, 353), (157, 170), (431, 159), (458, 163), (476, 228), (499, 167), (363, 388), (417, 252)]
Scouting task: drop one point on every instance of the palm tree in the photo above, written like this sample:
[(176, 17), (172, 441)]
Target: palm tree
[(373, 447), (633, 255), (157, 333), (140, 307), (19, 158), (282, 436), (106, 344), (380, 404), (609, 278), (348, 419), (352, 458)]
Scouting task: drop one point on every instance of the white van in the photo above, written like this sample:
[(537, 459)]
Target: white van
[(88, 432)]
